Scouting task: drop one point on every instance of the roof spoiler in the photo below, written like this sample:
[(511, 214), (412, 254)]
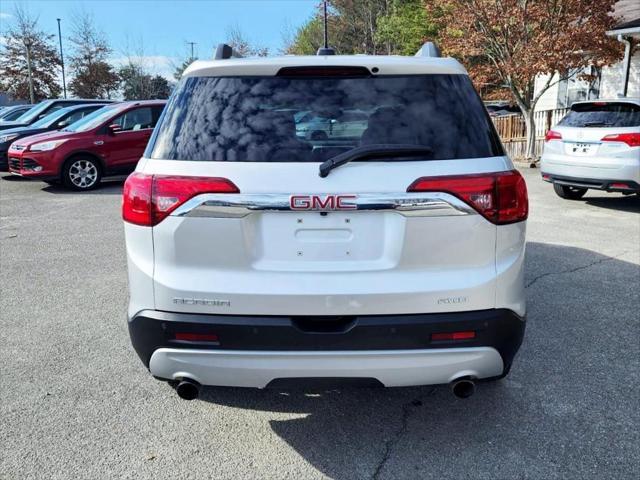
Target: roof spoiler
[(224, 51), (429, 49)]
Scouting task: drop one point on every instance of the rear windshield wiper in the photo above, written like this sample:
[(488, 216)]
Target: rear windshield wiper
[(373, 151), (597, 124)]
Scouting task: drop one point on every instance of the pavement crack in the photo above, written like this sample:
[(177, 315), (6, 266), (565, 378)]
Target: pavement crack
[(576, 269), (392, 442)]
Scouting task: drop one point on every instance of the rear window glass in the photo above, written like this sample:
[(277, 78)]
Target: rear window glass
[(285, 119), (600, 114)]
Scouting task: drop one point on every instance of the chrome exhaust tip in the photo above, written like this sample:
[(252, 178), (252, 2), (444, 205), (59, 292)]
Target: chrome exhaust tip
[(188, 389), (463, 388)]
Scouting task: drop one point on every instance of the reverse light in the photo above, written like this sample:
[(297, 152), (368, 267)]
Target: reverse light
[(440, 337), (500, 197), (631, 139), (46, 146), (552, 135), (149, 199)]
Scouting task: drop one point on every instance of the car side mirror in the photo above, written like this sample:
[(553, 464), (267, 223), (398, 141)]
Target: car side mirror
[(115, 128)]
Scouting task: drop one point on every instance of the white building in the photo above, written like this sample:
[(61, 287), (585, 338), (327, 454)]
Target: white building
[(620, 79)]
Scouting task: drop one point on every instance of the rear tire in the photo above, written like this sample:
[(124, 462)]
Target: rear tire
[(81, 173), (569, 193)]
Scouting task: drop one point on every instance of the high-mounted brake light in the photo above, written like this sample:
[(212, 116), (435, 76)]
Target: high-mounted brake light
[(631, 139), (500, 197), (149, 199), (552, 135)]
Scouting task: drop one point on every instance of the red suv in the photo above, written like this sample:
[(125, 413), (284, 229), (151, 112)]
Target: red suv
[(109, 141)]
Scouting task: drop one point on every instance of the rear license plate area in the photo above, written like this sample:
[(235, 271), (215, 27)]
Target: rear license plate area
[(580, 149), (328, 241)]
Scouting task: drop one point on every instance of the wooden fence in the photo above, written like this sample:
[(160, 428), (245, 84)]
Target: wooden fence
[(511, 129)]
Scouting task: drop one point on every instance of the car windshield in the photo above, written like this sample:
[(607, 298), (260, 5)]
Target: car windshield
[(602, 114), (52, 118), (93, 120), (311, 119), (33, 112)]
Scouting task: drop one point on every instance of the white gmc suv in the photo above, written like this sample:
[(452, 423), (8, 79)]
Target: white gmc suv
[(392, 255)]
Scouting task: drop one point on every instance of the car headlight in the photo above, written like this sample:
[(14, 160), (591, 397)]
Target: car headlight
[(8, 138), (46, 146)]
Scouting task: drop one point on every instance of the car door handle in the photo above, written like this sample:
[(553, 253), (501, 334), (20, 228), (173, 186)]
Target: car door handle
[(98, 142)]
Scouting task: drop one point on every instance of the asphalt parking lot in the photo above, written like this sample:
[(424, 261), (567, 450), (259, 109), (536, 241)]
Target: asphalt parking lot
[(76, 402)]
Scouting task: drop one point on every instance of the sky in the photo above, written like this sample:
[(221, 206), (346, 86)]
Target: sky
[(160, 29)]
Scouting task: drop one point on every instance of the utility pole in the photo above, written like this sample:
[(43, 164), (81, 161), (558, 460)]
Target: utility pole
[(27, 45), (64, 82), (192, 44)]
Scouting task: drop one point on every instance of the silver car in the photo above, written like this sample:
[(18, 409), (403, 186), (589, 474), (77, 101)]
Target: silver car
[(596, 145)]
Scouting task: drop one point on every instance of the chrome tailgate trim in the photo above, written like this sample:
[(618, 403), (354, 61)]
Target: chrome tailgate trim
[(416, 204)]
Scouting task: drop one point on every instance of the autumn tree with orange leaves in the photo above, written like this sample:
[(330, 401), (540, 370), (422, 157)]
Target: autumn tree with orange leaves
[(512, 41)]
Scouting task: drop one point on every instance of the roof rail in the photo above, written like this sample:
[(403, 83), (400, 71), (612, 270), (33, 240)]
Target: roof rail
[(429, 49), (224, 51)]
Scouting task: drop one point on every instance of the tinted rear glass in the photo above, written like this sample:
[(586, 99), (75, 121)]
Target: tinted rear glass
[(280, 119), (599, 114)]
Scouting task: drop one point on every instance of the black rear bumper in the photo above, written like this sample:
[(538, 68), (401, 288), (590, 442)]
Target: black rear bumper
[(608, 185), (501, 329)]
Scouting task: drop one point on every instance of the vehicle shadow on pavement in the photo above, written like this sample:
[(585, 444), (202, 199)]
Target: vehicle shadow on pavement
[(628, 203), (106, 187), (565, 410)]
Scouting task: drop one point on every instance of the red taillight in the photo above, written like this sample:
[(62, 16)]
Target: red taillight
[(631, 139), (196, 337), (439, 337), (148, 199), (552, 135), (500, 197)]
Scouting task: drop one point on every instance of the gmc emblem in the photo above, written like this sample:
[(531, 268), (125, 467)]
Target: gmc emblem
[(322, 202)]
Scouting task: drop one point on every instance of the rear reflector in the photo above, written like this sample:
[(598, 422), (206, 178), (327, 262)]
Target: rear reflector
[(631, 139), (438, 337), (500, 197), (149, 199), (619, 185), (196, 337), (552, 135)]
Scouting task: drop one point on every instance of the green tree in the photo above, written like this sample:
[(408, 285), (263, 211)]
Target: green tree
[(138, 85), (93, 76), (45, 62), (405, 28), (177, 74), (366, 26)]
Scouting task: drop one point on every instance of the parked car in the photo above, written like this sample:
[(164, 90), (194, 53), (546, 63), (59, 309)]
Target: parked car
[(108, 141), (344, 125), (257, 258), (502, 109), (12, 113), (54, 121), (44, 108), (595, 146)]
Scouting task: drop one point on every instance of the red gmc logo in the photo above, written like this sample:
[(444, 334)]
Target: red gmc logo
[(322, 202)]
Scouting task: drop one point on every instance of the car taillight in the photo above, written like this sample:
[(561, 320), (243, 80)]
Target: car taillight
[(500, 197), (631, 139), (149, 199), (552, 135)]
